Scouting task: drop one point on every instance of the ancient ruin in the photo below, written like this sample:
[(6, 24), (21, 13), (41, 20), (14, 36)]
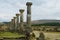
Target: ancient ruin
[(21, 18), (29, 30), (17, 23), (14, 23)]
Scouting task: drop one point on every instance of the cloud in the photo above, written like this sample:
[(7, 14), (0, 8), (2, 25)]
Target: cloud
[(47, 9), (41, 9)]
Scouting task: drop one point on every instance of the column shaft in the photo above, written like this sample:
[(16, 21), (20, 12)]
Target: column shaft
[(14, 23), (21, 20), (17, 23), (28, 16), (11, 25)]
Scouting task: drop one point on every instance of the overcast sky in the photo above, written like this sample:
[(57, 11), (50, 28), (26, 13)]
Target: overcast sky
[(41, 9)]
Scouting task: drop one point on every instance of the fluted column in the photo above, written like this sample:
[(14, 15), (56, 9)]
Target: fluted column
[(17, 23), (21, 18)]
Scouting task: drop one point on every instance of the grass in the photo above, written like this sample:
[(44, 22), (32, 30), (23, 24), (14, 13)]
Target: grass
[(10, 35)]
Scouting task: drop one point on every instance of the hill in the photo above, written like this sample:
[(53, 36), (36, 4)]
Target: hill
[(45, 21)]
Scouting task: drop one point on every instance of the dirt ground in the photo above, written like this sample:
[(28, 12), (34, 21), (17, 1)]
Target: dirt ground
[(49, 35)]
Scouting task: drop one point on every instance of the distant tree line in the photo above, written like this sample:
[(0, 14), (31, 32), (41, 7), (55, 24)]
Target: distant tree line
[(43, 24), (47, 24)]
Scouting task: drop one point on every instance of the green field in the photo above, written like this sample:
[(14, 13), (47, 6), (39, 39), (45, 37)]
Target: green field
[(10, 35), (48, 35)]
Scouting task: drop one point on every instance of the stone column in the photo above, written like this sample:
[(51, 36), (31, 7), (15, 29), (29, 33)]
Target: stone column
[(14, 23), (28, 27), (17, 23), (21, 18), (11, 25), (29, 14)]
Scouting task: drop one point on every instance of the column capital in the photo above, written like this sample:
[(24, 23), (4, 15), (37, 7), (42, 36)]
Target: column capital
[(21, 10), (29, 3), (17, 14), (14, 17)]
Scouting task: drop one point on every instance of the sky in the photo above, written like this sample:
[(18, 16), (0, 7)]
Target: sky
[(40, 9)]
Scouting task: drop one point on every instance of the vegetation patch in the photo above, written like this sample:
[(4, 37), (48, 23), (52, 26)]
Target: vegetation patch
[(47, 24), (10, 35)]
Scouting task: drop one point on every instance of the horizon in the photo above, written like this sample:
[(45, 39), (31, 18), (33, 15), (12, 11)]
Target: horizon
[(37, 20)]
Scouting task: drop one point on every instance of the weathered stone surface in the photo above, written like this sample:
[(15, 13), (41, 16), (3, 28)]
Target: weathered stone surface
[(29, 16), (17, 23), (11, 25), (14, 23), (27, 34), (42, 36), (21, 20)]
